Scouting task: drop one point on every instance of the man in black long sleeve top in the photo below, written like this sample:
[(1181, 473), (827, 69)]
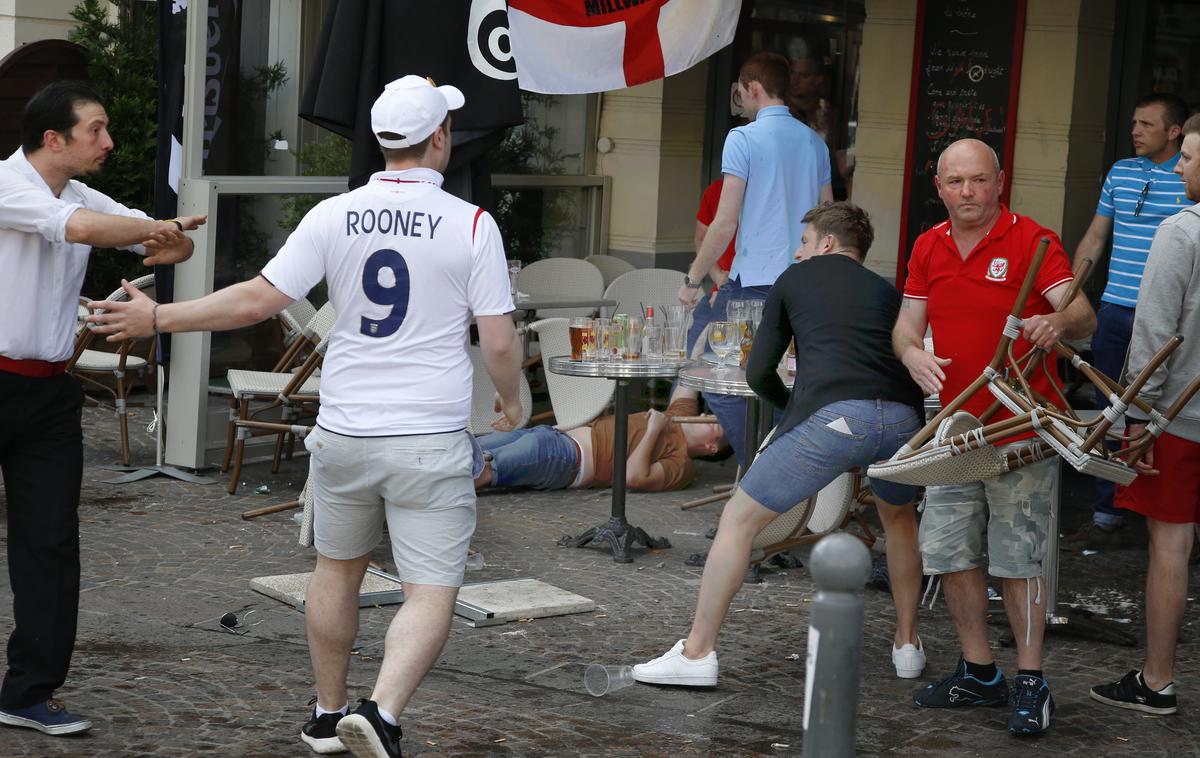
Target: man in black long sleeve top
[(854, 403)]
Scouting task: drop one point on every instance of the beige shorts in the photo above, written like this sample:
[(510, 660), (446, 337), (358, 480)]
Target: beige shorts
[(420, 484)]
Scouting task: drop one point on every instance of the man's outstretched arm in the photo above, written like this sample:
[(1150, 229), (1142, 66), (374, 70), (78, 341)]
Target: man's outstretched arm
[(235, 306)]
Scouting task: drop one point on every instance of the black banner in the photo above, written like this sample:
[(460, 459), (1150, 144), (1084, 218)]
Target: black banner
[(172, 34), (367, 43), (965, 79), (224, 21)]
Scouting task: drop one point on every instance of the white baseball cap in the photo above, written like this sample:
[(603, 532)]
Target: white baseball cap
[(413, 107)]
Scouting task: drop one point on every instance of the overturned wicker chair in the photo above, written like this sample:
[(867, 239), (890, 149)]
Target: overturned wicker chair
[(955, 447)]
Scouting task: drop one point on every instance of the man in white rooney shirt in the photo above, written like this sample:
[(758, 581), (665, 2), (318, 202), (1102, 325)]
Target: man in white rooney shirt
[(49, 223), (407, 265)]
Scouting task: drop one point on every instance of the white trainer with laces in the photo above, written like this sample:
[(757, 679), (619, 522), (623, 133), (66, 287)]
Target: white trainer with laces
[(673, 668), (909, 660)]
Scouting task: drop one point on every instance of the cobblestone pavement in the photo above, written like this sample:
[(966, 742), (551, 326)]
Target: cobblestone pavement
[(164, 560)]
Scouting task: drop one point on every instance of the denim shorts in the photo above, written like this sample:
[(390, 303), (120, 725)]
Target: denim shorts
[(540, 457), (830, 442), (1013, 509), (420, 484)]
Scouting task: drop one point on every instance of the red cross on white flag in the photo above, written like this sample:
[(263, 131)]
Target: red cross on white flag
[(575, 46)]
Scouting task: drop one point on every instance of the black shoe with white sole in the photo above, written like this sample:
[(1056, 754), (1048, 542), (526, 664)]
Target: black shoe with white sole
[(1130, 691), (320, 732), (960, 690), (367, 735), (1032, 705)]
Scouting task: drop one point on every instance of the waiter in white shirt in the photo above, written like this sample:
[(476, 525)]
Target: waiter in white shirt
[(407, 265), (49, 223)]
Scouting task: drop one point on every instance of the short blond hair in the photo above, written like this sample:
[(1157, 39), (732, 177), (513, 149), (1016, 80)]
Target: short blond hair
[(1191, 126)]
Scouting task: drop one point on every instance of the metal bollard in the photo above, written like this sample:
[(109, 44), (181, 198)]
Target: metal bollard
[(840, 565)]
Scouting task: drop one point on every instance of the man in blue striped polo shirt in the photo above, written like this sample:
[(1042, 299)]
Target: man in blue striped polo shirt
[(1138, 194)]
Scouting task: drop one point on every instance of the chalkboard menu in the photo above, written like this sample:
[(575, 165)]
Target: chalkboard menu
[(966, 69)]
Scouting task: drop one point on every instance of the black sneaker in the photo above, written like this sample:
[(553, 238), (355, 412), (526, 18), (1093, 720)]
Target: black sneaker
[(1130, 691), (960, 690), (320, 732), (1032, 705), (367, 735)]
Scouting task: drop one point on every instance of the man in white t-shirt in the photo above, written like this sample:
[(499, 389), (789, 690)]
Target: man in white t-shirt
[(49, 223), (407, 266)]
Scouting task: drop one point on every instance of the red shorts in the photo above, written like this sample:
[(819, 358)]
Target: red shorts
[(1174, 495)]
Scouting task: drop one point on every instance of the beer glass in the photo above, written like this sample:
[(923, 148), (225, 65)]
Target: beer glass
[(578, 329)]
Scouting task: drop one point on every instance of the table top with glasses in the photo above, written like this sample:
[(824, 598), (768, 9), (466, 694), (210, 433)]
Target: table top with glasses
[(640, 368), (727, 380)]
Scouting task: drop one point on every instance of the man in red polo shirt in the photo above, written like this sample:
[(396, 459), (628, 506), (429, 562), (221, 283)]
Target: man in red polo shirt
[(963, 277)]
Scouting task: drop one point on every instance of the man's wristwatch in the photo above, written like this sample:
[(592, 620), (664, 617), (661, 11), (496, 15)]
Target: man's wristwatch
[(687, 282)]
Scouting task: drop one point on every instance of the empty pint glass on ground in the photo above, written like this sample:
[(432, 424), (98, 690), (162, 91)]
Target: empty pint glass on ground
[(579, 329), (601, 680)]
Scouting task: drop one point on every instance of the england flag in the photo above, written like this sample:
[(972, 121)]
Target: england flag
[(576, 46)]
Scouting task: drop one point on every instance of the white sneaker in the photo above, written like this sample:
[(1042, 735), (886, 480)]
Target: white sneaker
[(673, 668), (909, 660)]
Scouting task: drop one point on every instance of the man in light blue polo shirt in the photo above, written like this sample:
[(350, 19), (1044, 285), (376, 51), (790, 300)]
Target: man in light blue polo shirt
[(776, 169), (1138, 194)]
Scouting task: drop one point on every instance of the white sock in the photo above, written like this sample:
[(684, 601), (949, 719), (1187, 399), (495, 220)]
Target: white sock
[(387, 717), (1168, 689), (343, 710)]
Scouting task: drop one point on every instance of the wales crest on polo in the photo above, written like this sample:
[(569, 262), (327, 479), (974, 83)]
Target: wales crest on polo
[(998, 270)]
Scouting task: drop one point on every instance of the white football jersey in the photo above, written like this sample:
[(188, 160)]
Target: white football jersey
[(407, 265)]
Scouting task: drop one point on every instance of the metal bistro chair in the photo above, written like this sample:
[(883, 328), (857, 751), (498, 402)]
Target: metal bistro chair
[(290, 389), (644, 287), (575, 400), (610, 266), (122, 367)]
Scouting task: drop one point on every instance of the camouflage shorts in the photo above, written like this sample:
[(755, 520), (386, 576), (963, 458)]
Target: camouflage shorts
[(1014, 510)]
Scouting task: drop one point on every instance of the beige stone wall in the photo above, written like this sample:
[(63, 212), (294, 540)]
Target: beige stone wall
[(881, 140), (657, 132), (25, 21), (1058, 159), (1058, 154)]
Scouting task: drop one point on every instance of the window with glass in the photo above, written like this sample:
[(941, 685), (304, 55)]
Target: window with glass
[(821, 40)]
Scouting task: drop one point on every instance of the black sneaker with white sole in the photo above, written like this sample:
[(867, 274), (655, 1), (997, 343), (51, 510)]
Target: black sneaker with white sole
[(1032, 705), (960, 690), (367, 735), (320, 732), (1130, 691)]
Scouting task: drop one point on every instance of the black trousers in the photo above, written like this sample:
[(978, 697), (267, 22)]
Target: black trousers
[(41, 457)]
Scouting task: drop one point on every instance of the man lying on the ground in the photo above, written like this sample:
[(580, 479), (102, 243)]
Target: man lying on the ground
[(660, 452)]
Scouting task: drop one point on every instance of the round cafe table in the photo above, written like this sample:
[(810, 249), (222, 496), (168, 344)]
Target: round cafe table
[(617, 532)]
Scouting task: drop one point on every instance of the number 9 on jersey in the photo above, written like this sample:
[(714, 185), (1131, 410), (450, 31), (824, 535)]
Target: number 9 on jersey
[(394, 294)]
